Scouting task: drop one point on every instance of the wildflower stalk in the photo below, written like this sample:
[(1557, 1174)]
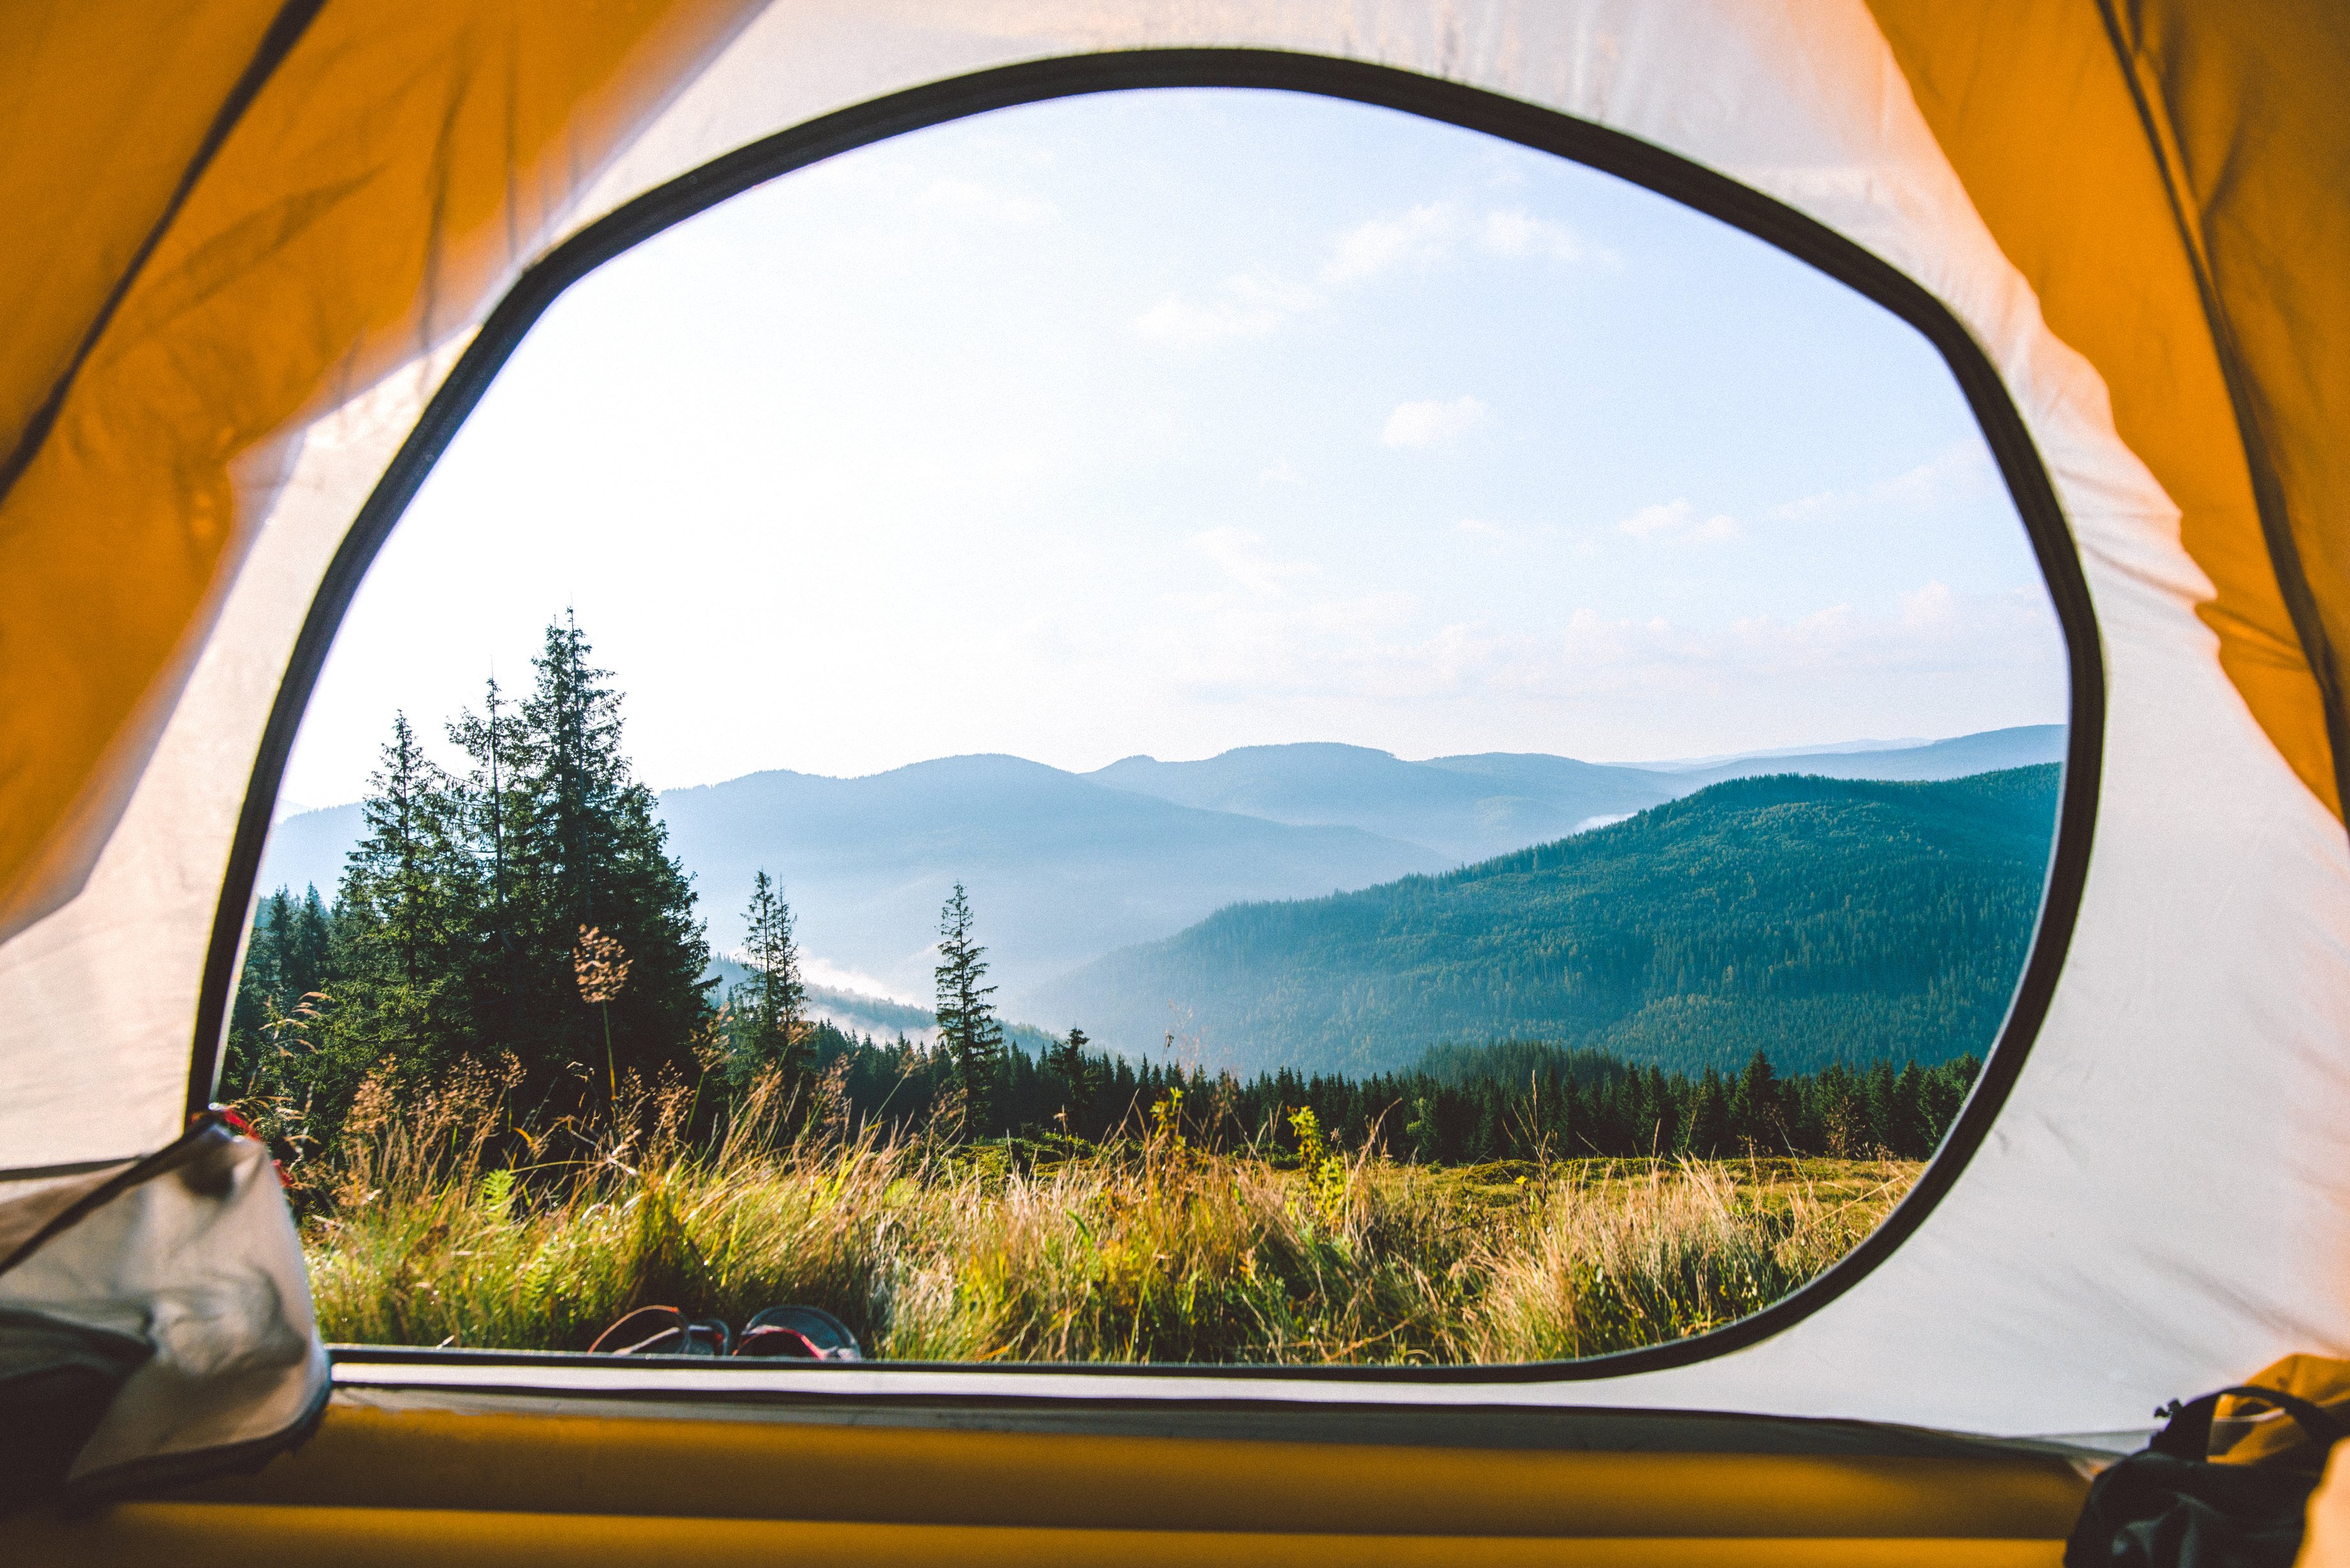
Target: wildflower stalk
[(601, 967)]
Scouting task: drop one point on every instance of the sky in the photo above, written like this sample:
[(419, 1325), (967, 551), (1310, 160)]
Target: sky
[(1167, 422)]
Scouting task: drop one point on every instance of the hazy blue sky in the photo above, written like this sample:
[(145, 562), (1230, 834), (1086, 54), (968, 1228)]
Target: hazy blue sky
[(1168, 422)]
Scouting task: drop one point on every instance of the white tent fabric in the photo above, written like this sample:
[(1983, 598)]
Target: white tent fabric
[(2163, 1204)]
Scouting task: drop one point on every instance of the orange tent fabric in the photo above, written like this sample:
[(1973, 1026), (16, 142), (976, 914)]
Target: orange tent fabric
[(2165, 175), (230, 217)]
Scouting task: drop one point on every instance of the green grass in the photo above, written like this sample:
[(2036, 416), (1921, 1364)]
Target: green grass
[(1142, 1250)]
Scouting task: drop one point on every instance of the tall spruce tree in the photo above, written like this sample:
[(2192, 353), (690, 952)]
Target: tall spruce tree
[(584, 848), (394, 995), (495, 803), (405, 878), (968, 1029), (770, 1007)]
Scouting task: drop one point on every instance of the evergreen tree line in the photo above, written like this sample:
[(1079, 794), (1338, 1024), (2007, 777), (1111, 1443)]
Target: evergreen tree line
[(525, 905), (1522, 1100)]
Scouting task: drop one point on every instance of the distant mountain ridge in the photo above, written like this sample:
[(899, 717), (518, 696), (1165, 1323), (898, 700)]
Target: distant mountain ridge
[(1817, 919), (1463, 807), (1059, 868), (1474, 807), (1065, 868), (1987, 750)]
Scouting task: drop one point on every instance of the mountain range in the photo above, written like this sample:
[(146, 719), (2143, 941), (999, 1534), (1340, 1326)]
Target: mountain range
[(1819, 919), (1065, 868)]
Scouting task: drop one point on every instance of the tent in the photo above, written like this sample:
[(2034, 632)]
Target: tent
[(267, 253)]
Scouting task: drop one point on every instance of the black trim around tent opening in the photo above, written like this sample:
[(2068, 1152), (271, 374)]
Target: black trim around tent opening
[(1452, 103)]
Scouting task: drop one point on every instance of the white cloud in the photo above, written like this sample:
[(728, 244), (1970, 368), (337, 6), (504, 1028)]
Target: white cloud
[(1435, 231), (1928, 607), (1431, 422), (1678, 520), (1174, 320), (1478, 528), (1962, 470), (1421, 235), (1247, 307), (1518, 232), (1928, 663), (1226, 647), (1241, 557), (1254, 305), (1930, 633)]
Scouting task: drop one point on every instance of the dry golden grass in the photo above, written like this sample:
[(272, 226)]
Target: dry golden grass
[(1147, 1251)]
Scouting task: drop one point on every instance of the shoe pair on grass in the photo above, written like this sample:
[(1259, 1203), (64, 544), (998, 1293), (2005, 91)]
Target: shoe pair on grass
[(785, 1333)]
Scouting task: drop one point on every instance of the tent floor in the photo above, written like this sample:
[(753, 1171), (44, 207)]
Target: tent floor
[(451, 1477)]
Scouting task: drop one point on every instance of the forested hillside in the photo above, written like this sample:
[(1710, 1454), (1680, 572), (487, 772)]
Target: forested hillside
[(1816, 920)]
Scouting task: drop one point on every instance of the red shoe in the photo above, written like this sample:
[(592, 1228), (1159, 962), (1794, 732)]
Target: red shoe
[(663, 1331), (799, 1333)]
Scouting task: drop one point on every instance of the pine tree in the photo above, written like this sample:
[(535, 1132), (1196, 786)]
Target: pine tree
[(1706, 1129), (304, 950), (386, 959), (1756, 1117), (1066, 1060), (968, 1030), (1944, 1092), (589, 851), (403, 905), (1906, 1124), (770, 1007), (284, 968), (495, 805), (487, 739), (404, 873), (1879, 1101)]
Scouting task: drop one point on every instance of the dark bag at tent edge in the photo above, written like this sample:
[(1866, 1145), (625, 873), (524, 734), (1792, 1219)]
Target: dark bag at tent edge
[(2176, 1503), (155, 1324)]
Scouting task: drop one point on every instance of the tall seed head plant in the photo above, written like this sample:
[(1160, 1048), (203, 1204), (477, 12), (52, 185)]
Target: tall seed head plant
[(600, 966)]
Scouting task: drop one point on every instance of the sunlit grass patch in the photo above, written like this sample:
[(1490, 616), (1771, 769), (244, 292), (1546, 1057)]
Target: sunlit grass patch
[(1140, 1251)]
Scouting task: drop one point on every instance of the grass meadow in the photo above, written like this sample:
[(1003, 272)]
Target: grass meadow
[(446, 1225)]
